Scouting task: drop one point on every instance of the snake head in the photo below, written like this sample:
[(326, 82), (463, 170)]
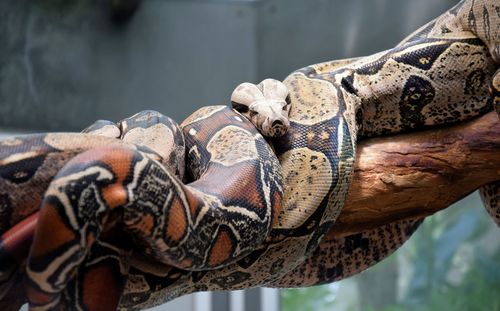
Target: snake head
[(266, 105)]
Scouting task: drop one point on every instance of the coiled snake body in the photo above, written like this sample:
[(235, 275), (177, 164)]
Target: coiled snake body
[(237, 217)]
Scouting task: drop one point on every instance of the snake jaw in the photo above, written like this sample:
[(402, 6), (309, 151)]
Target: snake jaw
[(269, 118), (265, 105)]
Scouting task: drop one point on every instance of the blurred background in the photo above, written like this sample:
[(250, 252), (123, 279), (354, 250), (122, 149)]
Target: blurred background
[(67, 63)]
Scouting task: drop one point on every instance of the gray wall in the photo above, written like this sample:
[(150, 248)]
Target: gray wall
[(62, 68), (64, 64), (296, 33)]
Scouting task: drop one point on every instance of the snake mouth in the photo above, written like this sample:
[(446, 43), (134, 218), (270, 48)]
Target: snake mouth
[(277, 123), (278, 128)]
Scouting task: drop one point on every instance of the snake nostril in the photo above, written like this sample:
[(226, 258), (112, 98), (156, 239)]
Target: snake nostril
[(277, 123)]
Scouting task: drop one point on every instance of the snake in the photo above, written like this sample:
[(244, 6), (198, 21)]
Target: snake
[(133, 214)]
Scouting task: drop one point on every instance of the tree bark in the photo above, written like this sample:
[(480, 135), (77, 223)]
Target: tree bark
[(413, 175)]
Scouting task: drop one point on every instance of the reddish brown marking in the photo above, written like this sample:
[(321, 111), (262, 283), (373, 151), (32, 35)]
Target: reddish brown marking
[(115, 195), (51, 232), (238, 182), (177, 221), (37, 297), (145, 225), (277, 206), (186, 263), (120, 162), (241, 186), (90, 238), (193, 202), (18, 238), (216, 122), (101, 290), (222, 249)]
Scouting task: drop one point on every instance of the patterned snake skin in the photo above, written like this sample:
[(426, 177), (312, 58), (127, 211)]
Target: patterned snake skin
[(132, 215)]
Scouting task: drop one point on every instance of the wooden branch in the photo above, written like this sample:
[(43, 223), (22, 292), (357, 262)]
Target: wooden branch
[(414, 175)]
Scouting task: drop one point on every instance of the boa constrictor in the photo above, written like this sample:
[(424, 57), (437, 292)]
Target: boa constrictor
[(236, 218)]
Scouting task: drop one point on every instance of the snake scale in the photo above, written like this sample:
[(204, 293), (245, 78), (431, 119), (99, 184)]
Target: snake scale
[(133, 214)]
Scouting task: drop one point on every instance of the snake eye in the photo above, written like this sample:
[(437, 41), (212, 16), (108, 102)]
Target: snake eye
[(286, 106), (240, 107)]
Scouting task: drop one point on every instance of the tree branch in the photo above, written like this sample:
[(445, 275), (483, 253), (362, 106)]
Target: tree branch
[(417, 174)]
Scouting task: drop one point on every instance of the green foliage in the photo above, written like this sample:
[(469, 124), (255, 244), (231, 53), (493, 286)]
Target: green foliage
[(478, 290), (307, 299), (432, 254), (434, 248)]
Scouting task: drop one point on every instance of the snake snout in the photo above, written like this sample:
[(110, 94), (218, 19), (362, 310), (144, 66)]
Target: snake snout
[(277, 123), (279, 126)]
